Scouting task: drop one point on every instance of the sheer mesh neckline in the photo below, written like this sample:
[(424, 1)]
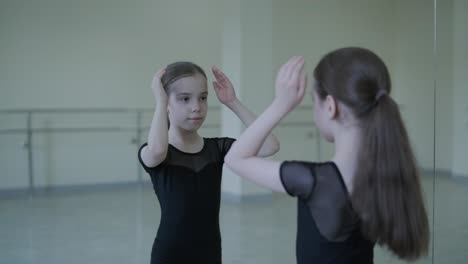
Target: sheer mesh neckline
[(190, 153)]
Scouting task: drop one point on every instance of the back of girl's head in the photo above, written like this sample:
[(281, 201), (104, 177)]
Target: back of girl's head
[(178, 70), (353, 76), (387, 192)]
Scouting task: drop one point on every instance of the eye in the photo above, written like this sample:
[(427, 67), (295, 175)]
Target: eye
[(184, 99), (203, 98)]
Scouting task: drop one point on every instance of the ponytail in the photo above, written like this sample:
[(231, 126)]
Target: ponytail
[(387, 191)]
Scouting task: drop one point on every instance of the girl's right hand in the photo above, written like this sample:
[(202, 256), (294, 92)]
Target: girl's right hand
[(291, 83), (156, 86)]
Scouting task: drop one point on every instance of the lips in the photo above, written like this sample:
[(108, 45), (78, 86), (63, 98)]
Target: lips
[(196, 118)]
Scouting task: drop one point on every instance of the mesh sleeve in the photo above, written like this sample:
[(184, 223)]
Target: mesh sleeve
[(141, 160), (224, 144), (297, 178)]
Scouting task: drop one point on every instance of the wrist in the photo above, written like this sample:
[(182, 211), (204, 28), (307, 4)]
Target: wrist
[(279, 106), (234, 104)]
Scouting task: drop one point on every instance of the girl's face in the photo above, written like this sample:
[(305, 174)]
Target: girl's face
[(187, 104), (321, 115)]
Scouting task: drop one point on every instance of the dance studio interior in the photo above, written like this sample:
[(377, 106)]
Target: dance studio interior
[(76, 104)]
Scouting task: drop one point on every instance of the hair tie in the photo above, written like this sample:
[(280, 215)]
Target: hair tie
[(380, 93)]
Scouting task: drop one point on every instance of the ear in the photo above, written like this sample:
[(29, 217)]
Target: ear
[(331, 107)]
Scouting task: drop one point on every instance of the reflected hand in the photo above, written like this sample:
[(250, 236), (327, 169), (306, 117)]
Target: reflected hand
[(223, 87), (156, 86)]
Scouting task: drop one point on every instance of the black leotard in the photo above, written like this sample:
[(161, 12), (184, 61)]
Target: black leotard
[(328, 229), (188, 187)]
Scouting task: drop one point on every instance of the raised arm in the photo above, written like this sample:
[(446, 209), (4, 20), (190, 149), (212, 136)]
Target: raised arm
[(227, 96), (242, 158), (156, 150)]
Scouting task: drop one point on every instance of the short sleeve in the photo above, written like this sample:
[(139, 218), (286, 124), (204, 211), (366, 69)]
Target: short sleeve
[(297, 178), (147, 169), (224, 145)]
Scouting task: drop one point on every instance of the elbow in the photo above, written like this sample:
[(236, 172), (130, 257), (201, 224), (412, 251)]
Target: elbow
[(158, 152), (228, 160), (275, 148), (270, 150), (233, 162), (152, 158)]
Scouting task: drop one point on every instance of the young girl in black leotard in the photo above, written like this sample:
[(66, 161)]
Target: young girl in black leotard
[(369, 192), (186, 168)]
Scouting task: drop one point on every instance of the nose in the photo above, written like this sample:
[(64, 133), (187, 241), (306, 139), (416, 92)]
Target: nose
[(196, 107)]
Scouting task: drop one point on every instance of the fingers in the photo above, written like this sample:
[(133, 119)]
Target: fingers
[(157, 87), (300, 71), (293, 64), (219, 75), (160, 72), (302, 84), (284, 67), (297, 68), (285, 70), (215, 70), (157, 77), (290, 71), (216, 86)]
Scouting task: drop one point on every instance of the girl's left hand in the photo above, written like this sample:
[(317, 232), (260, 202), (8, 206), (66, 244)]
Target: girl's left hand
[(223, 87), (291, 83)]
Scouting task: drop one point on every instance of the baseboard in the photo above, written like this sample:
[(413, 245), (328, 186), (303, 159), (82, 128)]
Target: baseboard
[(14, 193), (226, 197), (71, 189), (100, 187), (461, 178), (446, 174)]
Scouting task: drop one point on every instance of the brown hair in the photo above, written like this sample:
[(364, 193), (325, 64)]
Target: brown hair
[(387, 192), (178, 70)]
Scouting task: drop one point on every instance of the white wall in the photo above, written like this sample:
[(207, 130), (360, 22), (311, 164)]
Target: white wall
[(444, 86), (99, 53), (93, 54), (460, 77), (413, 78), (390, 28), (256, 64), (313, 28)]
